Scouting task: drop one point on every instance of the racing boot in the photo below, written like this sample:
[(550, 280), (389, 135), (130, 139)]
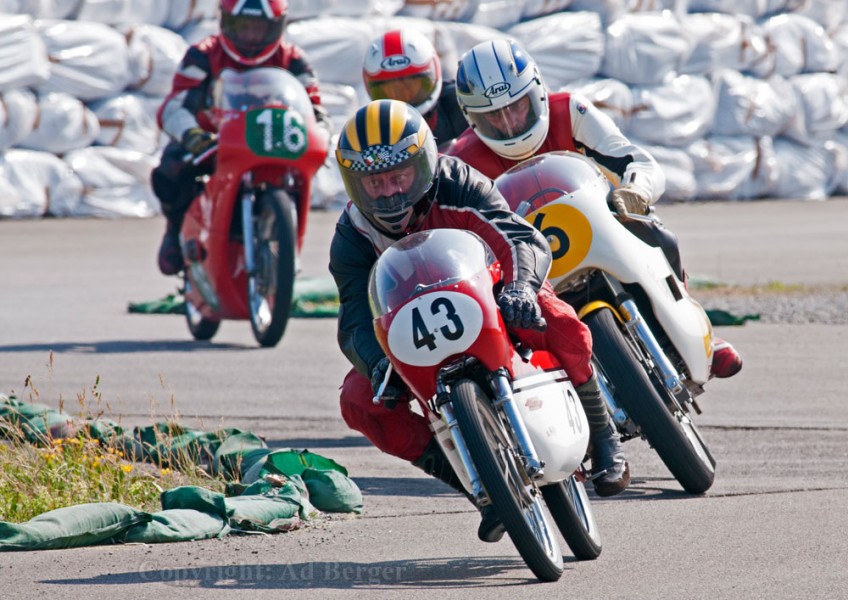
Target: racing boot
[(434, 462), (726, 360), (610, 471), (170, 253)]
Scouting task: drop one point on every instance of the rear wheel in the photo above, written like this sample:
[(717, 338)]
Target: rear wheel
[(271, 284), (517, 502), (670, 432), (570, 508), (200, 327)]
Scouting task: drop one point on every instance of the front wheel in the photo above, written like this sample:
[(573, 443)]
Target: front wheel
[(570, 508), (671, 433), (271, 284), (516, 501)]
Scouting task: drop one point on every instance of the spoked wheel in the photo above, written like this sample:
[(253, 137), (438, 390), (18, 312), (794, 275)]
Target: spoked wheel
[(570, 508), (271, 284), (200, 327), (671, 433), (517, 502)]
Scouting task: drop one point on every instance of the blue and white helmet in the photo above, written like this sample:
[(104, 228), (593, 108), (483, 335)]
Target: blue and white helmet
[(503, 97)]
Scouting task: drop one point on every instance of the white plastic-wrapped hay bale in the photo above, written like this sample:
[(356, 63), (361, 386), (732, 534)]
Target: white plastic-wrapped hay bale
[(52, 9), (463, 37), (566, 46), (87, 60), (750, 106), (115, 12), (183, 12), (129, 121), (116, 182), (36, 184), (823, 107), (335, 46), (799, 45), (23, 54), (645, 48), (806, 172), (610, 96), (154, 55), (722, 41), (733, 167), (18, 112), (440, 10), (674, 113), (679, 170), (64, 123)]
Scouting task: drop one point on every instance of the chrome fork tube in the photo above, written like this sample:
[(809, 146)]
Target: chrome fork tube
[(504, 399), (635, 323), (446, 412), (247, 200)]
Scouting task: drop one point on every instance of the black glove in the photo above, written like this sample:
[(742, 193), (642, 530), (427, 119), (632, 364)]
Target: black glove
[(395, 390), (519, 308), (197, 141)]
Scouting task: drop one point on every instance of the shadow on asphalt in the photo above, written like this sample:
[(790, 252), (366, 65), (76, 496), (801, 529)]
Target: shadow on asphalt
[(395, 574), (126, 347), (350, 441)]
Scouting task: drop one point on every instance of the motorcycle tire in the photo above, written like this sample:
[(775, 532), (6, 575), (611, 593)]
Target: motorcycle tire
[(201, 328), (569, 505), (684, 455), (517, 503), (271, 285)]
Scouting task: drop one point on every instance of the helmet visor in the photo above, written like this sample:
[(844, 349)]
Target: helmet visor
[(413, 89), (251, 35), (508, 122)]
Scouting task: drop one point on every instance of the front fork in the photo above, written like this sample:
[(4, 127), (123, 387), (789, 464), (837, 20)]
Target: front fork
[(504, 401), (248, 199)]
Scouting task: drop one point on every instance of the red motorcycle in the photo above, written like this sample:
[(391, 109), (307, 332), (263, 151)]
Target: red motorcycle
[(242, 234), (508, 419)]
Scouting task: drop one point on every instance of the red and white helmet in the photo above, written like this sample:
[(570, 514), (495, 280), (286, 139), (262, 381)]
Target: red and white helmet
[(403, 65), (252, 29)]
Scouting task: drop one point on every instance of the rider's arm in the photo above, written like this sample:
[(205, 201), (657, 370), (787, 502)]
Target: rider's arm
[(299, 66), (178, 112), (469, 200), (351, 259), (623, 162)]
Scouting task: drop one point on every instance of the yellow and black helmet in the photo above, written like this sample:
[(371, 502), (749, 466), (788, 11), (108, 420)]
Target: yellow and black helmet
[(387, 158)]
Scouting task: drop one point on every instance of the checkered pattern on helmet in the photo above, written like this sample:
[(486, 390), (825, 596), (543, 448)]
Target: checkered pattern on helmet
[(379, 157)]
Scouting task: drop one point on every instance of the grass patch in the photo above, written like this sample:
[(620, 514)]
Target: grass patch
[(772, 288), (46, 465)]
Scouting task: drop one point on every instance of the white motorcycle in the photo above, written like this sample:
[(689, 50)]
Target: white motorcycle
[(652, 343)]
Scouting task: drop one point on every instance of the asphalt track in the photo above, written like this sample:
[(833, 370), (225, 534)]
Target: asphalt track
[(772, 526)]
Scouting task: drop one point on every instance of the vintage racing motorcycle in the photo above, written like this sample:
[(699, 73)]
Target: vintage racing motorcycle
[(652, 343), (507, 418), (243, 232)]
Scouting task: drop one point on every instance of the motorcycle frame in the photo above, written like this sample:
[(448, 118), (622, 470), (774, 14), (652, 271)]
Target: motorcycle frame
[(218, 220)]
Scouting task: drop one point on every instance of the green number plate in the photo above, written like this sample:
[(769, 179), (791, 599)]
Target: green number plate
[(277, 132)]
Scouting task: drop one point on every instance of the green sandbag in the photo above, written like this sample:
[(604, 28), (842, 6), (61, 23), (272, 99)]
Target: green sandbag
[(195, 498), (718, 317), (71, 527), (231, 455), (267, 514), (288, 461), (332, 491), (294, 488), (177, 525)]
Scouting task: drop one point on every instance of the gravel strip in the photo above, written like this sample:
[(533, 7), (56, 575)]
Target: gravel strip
[(828, 306)]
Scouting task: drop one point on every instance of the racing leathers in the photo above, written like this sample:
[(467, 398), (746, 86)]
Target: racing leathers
[(579, 126), (186, 108), (462, 199)]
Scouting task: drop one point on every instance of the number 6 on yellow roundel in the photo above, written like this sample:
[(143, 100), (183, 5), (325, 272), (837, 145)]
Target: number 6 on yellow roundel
[(568, 232)]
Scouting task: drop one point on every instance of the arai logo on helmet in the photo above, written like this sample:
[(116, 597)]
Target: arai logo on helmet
[(497, 89), (395, 63)]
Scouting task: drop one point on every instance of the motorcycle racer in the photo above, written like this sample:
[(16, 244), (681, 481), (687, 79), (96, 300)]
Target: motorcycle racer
[(512, 117), (251, 35), (403, 65), (398, 184)]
